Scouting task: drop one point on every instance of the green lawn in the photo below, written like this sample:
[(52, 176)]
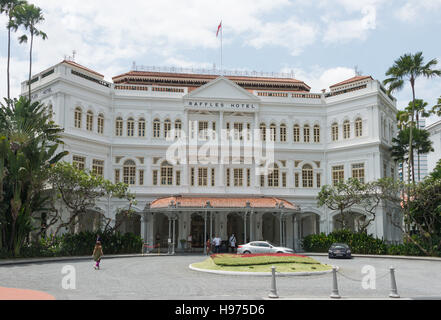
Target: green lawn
[(262, 264)]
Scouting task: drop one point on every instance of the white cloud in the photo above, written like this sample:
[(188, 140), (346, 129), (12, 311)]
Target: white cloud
[(342, 31), (319, 78), (413, 10), (290, 34)]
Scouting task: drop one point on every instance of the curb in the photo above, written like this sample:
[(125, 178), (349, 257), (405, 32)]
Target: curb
[(82, 258), (433, 259), (262, 274)]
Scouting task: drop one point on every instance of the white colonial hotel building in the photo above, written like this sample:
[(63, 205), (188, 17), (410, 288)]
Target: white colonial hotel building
[(119, 130)]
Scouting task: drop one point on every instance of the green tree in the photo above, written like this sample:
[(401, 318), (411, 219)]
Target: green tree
[(30, 16), (79, 190), (341, 197), (421, 143), (437, 108), (9, 7), (29, 144), (409, 68), (420, 112)]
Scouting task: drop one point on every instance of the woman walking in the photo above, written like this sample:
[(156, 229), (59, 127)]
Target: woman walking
[(97, 254)]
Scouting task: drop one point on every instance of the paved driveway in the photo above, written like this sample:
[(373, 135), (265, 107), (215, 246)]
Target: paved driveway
[(169, 278)]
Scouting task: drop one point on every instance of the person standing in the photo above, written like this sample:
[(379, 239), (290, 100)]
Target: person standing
[(217, 244), (208, 246), (233, 243), (97, 254)]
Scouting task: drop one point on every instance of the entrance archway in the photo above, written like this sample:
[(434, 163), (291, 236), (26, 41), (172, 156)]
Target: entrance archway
[(235, 225), (128, 223), (271, 228), (310, 224), (197, 230), (350, 221)]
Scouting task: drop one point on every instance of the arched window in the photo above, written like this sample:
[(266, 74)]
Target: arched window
[(346, 129), (282, 133), (273, 132), (119, 127), (101, 123), (166, 174), (89, 121), (167, 128), (296, 133), (263, 132), (156, 128), (358, 127), (317, 133), (78, 117), (273, 177), (307, 176), (130, 127), (335, 131), (306, 133), (129, 172), (178, 129), (141, 127)]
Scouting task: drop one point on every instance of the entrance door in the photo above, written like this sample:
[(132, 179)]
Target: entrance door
[(197, 231)]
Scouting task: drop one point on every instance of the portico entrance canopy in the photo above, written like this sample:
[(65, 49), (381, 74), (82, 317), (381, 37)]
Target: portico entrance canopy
[(182, 208), (179, 203)]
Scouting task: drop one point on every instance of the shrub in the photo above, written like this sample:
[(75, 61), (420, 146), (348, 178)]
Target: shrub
[(80, 244), (362, 243)]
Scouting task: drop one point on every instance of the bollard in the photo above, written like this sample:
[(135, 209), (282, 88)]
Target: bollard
[(393, 283), (273, 294), (334, 294)]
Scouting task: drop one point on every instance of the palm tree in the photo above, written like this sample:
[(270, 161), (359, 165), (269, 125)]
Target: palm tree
[(437, 108), (410, 67), (421, 143), (420, 111), (8, 7), (29, 145), (29, 16)]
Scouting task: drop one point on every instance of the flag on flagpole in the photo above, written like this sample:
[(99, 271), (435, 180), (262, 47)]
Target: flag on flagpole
[(218, 29)]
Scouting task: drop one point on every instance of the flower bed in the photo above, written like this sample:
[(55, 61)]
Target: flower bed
[(260, 259)]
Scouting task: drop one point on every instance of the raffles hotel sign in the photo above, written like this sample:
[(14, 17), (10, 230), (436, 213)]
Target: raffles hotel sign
[(220, 106)]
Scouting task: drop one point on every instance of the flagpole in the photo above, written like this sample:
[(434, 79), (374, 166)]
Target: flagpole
[(222, 36)]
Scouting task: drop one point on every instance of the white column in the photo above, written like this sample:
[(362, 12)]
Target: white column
[(221, 168), (296, 233)]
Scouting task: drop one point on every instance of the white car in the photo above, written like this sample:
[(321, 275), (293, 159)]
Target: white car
[(258, 247)]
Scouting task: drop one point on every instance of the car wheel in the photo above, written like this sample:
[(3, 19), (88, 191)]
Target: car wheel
[(247, 252), (279, 252), (329, 256)]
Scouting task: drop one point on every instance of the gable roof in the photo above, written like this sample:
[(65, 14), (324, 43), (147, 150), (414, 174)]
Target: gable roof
[(239, 90), (351, 80)]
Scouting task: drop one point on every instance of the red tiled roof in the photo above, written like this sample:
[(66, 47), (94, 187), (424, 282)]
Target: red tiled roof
[(207, 78), (72, 63), (201, 202), (203, 76), (353, 79)]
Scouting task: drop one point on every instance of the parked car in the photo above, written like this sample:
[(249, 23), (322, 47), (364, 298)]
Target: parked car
[(259, 247), (341, 250)]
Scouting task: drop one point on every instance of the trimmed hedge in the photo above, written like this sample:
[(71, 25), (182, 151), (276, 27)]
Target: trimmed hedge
[(80, 244), (360, 243)]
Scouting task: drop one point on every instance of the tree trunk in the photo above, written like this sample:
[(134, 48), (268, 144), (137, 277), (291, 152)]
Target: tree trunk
[(418, 151), (30, 65), (411, 159), (9, 62)]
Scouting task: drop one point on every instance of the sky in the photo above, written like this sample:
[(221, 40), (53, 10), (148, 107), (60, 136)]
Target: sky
[(321, 42)]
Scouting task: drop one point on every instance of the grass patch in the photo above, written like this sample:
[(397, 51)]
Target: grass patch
[(281, 266), (253, 260)]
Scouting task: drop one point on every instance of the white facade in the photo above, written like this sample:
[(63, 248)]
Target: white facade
[(360, 105), (435, 136)]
